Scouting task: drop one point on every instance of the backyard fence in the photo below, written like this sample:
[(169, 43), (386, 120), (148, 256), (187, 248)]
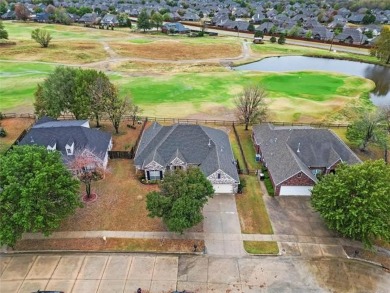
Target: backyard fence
[(121, 154), (187, 121)]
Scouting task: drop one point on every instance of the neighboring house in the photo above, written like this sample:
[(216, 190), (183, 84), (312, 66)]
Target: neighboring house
[(295, 156), (174, 27), (69, 137), (322, 33), (165, 148), (109, 20), (9, 15), (89, 19), (352, 36)]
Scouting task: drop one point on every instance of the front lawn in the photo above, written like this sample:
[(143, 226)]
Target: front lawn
[(251, 208), (261, 247), (112, 244), (121, 204)]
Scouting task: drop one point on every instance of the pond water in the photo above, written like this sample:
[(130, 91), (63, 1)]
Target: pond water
[(380, 96)]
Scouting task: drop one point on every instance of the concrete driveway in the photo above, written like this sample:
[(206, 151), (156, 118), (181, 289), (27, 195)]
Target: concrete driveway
[(121, 272), (293, 215), (222, 231)]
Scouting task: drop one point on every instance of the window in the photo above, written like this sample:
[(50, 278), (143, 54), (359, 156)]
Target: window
[(299, 175), (154, 175), (219, 175)]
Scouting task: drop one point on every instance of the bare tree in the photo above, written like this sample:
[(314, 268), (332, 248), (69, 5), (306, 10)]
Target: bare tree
[(250, 105), (135, 111), (116, 108), (87, 167), (101, 90), (21, 12)]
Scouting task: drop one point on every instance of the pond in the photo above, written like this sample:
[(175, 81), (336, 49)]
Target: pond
[(380, 96)]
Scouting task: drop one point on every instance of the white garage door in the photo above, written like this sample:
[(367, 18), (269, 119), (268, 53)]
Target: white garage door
[(296, 190), (223, 188)]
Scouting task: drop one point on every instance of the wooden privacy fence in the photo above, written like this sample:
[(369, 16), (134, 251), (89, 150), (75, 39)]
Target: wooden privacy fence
[(121, 154)]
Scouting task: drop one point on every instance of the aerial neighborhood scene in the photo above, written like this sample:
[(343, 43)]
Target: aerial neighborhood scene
[(194, 146)]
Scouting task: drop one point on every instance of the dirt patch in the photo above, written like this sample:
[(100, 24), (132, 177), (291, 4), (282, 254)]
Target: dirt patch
[(14, 127), (60, 51), (341, 275), (112, 244), (127, 136), (173, 68), (174, 50), (379, 257)]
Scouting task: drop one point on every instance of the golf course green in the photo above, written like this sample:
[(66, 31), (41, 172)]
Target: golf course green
[(181, 95)]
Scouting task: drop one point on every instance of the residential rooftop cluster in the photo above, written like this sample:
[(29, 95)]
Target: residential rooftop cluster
[(320, 20)]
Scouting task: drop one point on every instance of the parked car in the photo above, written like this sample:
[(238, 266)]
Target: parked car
[(258, 41)]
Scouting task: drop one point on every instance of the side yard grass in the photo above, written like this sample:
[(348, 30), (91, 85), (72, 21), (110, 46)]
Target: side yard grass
[(261, 247), (251, 209), (112, 244), (247, 147)]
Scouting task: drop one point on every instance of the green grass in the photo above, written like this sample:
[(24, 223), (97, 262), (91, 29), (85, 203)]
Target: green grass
[(247, 147), (19, 81), (22, 31), (261, 247), (269, 49), (236, 149), (181, 95), (251, 208)]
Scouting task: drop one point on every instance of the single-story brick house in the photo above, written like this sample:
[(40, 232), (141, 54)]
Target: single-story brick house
[(295, 156), (165, 148), (69, 137)]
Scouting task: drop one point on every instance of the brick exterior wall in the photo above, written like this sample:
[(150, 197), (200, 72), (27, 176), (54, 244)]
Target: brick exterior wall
[(304, 180)]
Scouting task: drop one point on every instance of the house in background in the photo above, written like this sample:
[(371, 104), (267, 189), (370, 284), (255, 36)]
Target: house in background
[(295, 156), (174, 27), (165, 148), (69, 137)]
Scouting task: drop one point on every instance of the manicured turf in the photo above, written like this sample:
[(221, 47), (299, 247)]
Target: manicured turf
[(251, 209), (261, 247), (184, 94)]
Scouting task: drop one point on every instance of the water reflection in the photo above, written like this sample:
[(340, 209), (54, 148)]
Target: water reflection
[(379, 74)]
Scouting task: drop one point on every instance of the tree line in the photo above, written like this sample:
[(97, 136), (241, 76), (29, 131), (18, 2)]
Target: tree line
[(84, 93)]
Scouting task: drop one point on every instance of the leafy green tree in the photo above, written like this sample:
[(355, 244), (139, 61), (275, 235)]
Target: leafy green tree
[(251, 27), (116, 109), (294, 31), (272, 39), (42, 37), (56, 93), (368, 127), (259, 34), (61, 16), (355, 201), (73, 90), (3, 7), (282, 39), (369, 18), (157, 20), (37, 192), (144, 21), (309, 34), (381, 48), (250, 105), (167, 17), (3, 32), (183, 193)]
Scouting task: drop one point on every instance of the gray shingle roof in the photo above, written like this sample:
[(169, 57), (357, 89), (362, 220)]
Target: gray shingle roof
[(66, 132), (289, 150), (194, 144)]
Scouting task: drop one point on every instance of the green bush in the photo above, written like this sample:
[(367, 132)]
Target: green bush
[(3, 133), (272, 39)]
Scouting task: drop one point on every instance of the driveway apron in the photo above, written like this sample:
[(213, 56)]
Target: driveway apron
[(221, 226)]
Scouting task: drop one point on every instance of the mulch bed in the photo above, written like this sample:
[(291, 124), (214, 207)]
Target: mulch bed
[(379, 257), (112, 244)]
